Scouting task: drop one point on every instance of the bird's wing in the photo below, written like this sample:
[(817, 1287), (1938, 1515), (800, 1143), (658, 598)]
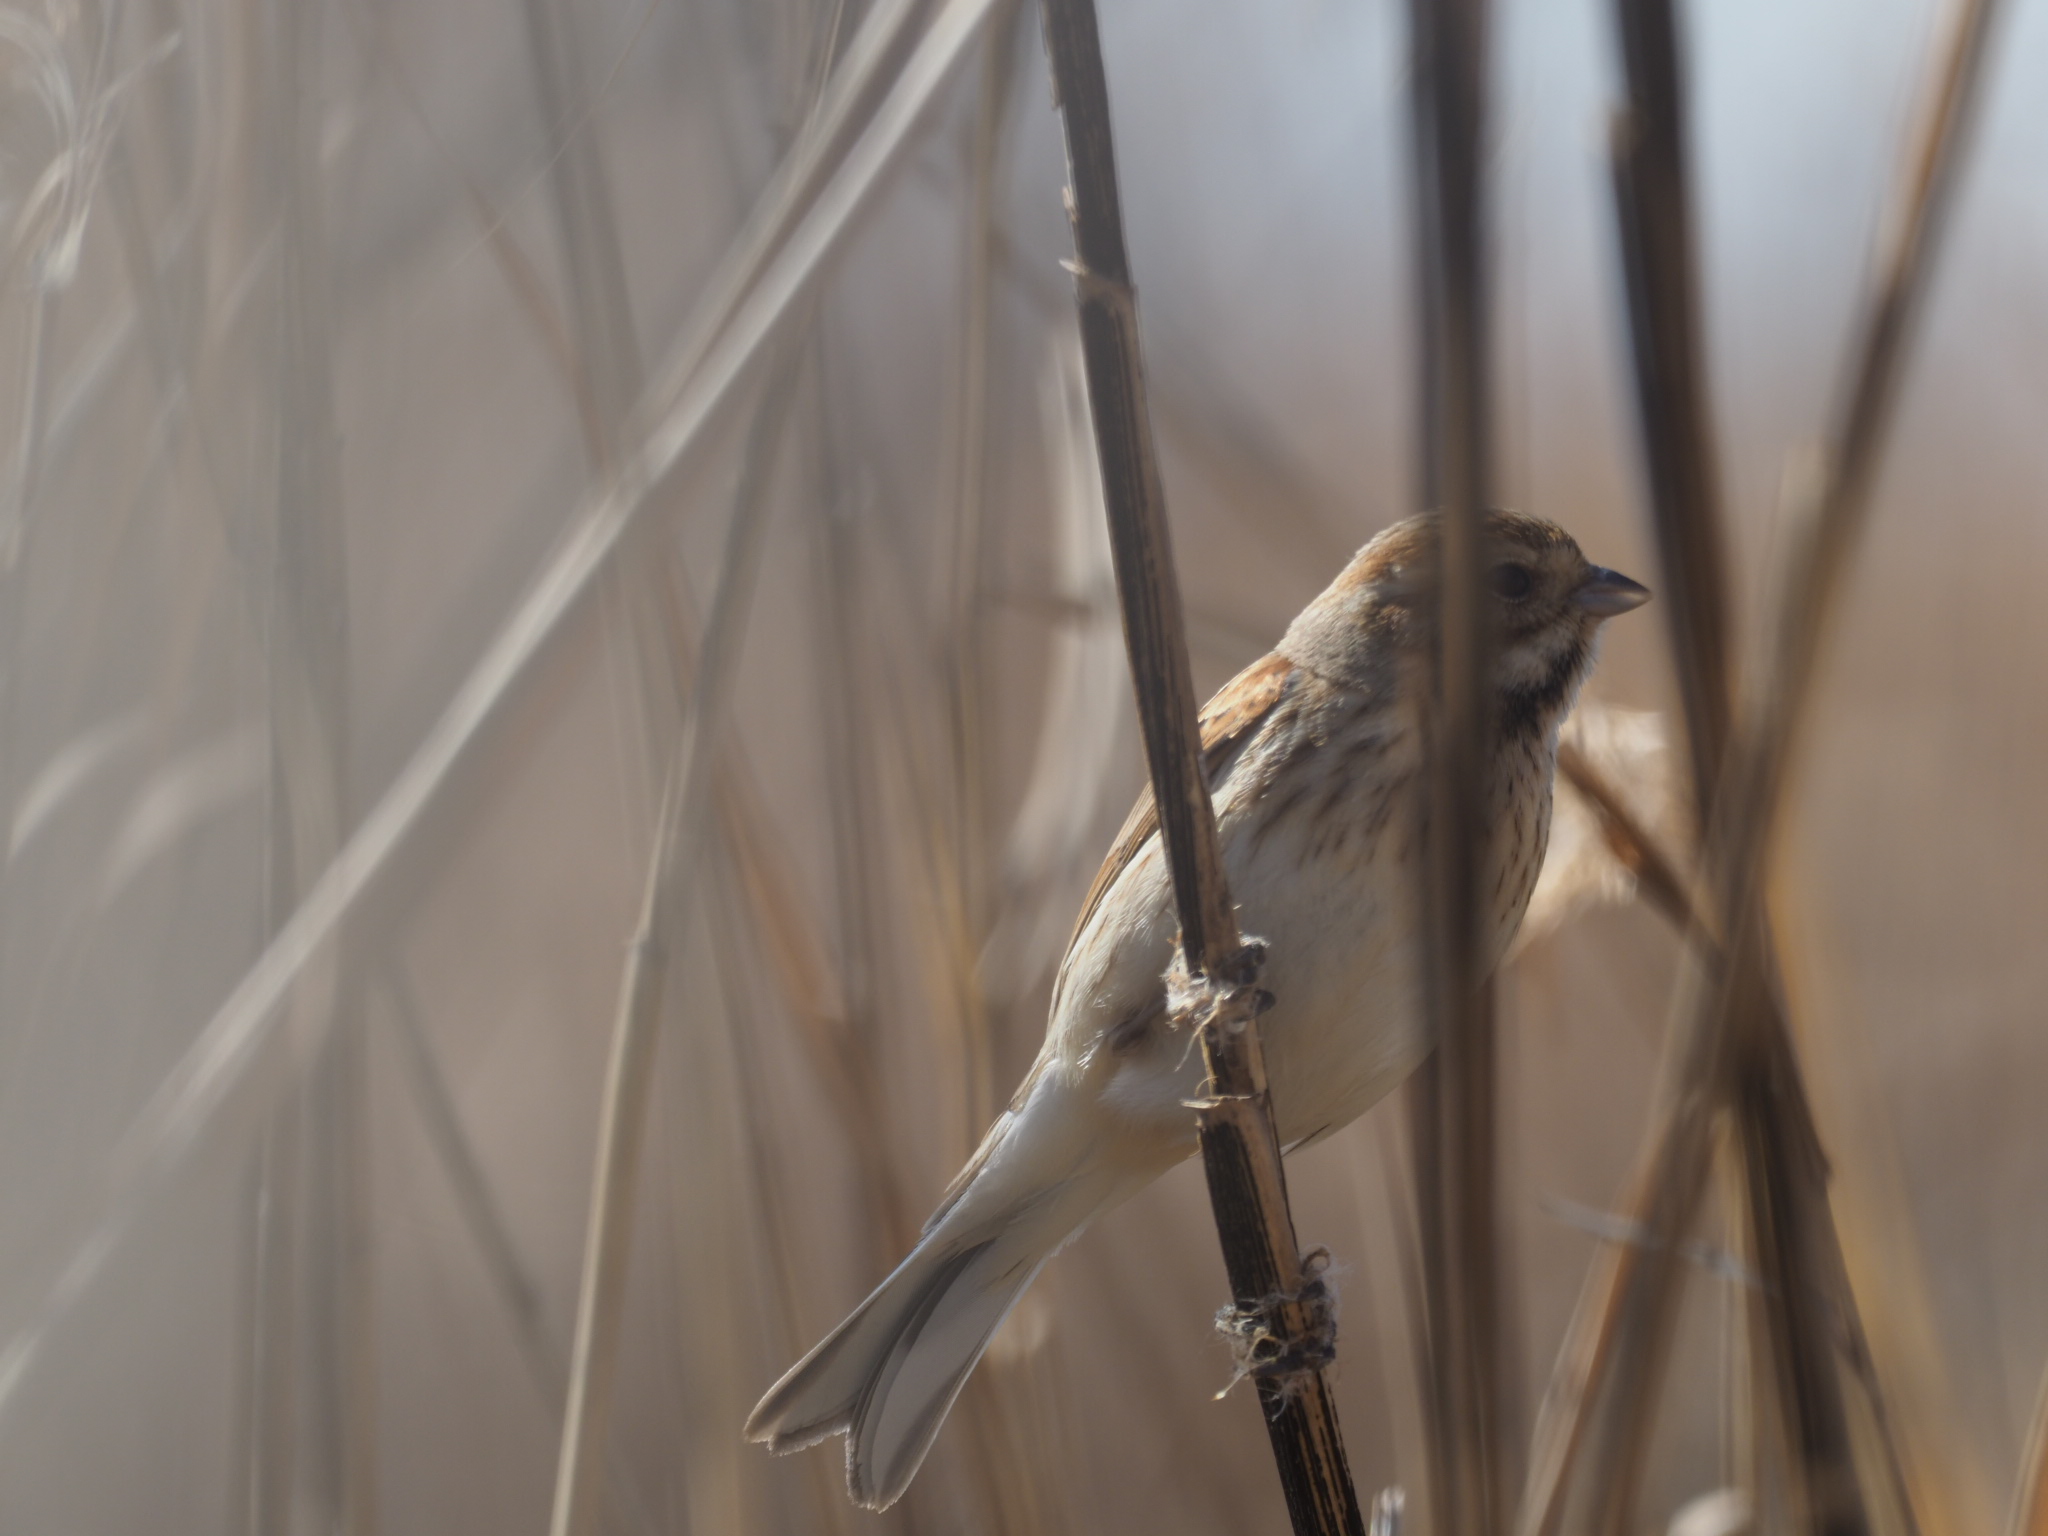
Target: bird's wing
[(1238, 709), (1228, 720)]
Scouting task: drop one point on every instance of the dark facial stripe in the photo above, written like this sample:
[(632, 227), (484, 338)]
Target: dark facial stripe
[(1529, 710)]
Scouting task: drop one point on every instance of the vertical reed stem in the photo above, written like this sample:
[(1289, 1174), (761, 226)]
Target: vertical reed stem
[(1456, 1098), (1240, 1152)]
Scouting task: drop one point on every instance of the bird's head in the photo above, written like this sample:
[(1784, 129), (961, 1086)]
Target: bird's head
[(1546, 602)]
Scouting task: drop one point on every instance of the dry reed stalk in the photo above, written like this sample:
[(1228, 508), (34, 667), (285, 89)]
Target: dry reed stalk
[(1394, 1268), (1211, 988), (904, 791), (881, 779), (1454, 1101), (836, 1041), (851, 708), (681, 836), (606, 349), (1730, 1040), (1654, 220), (2030, 1494), (298, 599), (483, 1217), (767, 887), (692, 399), (475, 1201), (1789, 1177), (268, 1411), (737, 955), (319, 1342), (966, 678), (751, 844), (603, 366), (831, 134), (605, 378)]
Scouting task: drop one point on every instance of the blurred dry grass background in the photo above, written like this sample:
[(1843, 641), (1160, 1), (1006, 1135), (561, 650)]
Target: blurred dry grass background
[(320, 322)]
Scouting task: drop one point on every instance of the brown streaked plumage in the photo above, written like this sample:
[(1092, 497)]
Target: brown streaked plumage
[(1313, 755)]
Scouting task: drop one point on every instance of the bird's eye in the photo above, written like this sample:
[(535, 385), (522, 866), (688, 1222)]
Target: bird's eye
[(1511, 581)]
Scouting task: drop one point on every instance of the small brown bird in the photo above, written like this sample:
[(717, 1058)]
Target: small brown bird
[(1314, 755)]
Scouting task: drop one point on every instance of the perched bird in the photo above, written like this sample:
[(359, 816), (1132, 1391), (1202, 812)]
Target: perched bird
[(1315, 757)]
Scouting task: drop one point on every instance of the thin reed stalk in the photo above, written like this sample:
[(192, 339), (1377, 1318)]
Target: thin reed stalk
[(476, 1203), (736, 957), (317, 1307), (2030, 1494), (482, 1215), (1455, 1108), (852, 708), (1212, 987), (607, 348), (965, 622), (681, 835), (1654, 222), (1674, 417)]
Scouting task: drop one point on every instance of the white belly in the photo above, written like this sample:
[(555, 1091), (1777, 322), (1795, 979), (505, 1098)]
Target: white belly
[(1345, 1026), (1343, 965)]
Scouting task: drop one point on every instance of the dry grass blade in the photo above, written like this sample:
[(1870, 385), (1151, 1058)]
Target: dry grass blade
[(219, 1059), (1211, 986), (682, 834), (1455, 1097)]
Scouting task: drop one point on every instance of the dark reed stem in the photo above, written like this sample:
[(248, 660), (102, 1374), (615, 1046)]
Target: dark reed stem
[(1454, 1124), (1786, 1192), (1653, 217), (1730, 1045), (1240, 1151)]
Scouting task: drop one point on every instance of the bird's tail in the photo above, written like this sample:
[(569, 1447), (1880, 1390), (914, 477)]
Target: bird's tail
[(888, 1374)]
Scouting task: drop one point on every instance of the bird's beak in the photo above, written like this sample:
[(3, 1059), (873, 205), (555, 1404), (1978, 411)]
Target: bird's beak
[(1605, 593)]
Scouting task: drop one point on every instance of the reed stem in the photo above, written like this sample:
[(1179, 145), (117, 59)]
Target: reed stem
[(1240, 1150)]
